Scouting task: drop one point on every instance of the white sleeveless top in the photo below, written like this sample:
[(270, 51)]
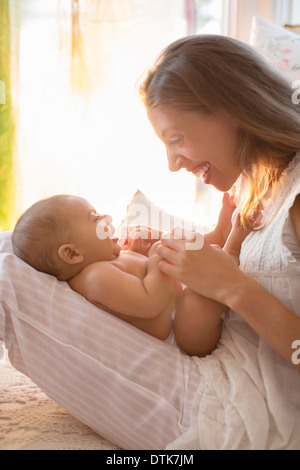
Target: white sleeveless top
[(252, 396), (271, 256)]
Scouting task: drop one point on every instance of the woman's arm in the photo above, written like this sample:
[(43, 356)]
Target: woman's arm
[(274, 322), (212, 273)]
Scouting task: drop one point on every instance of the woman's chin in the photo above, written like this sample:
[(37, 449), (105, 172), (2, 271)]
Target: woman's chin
[(222, 186)]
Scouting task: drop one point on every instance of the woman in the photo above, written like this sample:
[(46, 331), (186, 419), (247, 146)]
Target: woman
[(222, 112)]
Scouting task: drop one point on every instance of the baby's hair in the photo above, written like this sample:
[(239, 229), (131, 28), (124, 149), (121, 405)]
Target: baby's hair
[(219, 75), (40, 231)]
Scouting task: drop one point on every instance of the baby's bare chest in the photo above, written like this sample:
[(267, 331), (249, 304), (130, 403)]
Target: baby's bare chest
[(132, 263)]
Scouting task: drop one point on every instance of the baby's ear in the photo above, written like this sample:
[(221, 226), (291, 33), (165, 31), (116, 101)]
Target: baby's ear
[(69, 254)]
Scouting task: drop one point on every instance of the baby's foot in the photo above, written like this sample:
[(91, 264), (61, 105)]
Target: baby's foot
[(235, 238), (224, 224)]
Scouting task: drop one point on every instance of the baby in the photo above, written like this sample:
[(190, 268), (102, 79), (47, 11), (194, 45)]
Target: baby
[(65, 236)]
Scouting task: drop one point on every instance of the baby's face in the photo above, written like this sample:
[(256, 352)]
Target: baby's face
[(92, 233)]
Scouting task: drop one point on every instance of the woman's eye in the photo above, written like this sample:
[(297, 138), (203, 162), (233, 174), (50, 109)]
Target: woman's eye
[(175, 140)]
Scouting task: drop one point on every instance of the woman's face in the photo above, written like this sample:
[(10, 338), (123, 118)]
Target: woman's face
[(203, 145)]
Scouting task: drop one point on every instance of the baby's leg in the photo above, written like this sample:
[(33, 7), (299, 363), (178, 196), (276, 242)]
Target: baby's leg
[(197, 323)]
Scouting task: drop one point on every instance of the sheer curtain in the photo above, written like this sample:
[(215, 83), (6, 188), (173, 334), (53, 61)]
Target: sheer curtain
[(81, 128)]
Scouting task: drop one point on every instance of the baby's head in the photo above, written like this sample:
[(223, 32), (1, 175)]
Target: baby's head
[(63, 234)]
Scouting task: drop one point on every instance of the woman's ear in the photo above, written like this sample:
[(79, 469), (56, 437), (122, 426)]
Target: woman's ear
[(70, 254)]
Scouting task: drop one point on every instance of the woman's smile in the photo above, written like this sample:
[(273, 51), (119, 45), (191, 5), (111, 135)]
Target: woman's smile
[(202, 171)]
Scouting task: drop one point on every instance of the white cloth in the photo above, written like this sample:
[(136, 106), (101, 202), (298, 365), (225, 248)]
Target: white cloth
[(252, 396)]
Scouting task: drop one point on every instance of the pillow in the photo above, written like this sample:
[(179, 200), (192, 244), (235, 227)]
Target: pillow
[(104, 371), (279, 45), (142, 210)]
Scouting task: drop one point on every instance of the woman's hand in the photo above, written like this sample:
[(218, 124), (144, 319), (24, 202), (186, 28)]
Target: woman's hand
[(208, 271)]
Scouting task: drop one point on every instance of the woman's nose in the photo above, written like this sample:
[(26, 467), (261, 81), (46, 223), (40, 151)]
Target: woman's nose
[(176, 162)]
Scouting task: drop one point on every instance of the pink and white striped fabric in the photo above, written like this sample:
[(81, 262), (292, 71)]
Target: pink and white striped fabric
[(132, 389)]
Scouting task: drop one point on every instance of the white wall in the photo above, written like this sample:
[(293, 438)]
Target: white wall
[(295, 12), (245, 11), (237, 21)]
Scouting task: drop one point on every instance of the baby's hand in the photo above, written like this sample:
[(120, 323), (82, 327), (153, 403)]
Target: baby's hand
[(140, 239)]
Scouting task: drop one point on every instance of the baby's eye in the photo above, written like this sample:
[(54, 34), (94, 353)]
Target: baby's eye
[(97, 217)]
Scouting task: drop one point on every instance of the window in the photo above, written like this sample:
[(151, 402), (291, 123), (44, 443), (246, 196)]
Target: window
[(81, 128), (204, 16), (209, 17), (295, 14)]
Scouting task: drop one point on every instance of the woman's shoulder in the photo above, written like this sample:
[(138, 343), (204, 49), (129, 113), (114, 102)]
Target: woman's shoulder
[(295, 216), (287, 189), (294, 164)]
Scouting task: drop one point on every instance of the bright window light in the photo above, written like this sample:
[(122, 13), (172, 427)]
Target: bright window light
[(97, 142)]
